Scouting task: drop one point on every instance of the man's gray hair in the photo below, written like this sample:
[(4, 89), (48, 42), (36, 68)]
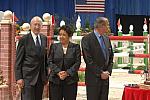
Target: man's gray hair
[(99, 21), (36, 18)]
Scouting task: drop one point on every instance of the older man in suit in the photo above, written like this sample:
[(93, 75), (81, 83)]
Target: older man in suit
[(30, 69), (98, 56)]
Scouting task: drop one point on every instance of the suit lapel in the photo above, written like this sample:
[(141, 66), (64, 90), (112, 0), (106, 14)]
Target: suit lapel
[(31, 45), (97, 43), (106, 42), (31, 41), (42, 41), (69, 49), (60, 50), (43, 44)]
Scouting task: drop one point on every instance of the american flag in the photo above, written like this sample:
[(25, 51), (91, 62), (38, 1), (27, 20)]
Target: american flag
[(90, 6)]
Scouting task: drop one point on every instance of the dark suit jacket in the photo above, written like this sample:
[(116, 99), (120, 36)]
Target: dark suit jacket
[(94, 58), (70, 62), (29, 63)]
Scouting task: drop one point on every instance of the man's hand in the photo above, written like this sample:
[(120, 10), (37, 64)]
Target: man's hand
[(20, 83), (105, 75)]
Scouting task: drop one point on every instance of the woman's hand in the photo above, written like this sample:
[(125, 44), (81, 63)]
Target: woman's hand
[(62, 75)]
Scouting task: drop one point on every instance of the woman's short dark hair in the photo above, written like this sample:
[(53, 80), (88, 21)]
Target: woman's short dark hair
[(67, 29)]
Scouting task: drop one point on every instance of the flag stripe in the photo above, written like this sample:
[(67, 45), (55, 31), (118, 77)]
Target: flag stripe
[(90, 6), (94, 6), (97, 0), (96, 3), (90, 11)]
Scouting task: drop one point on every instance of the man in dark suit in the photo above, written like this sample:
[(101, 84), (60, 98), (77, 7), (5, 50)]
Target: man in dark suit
[(30, 66), (98, 56)]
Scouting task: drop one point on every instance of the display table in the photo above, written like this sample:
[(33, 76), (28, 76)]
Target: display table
[(130, 93)]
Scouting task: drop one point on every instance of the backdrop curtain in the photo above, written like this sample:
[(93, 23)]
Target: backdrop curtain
[(88, 18), (26, 9)]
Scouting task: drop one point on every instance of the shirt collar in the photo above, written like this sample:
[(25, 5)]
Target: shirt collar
[(34, 37), (97, 34)]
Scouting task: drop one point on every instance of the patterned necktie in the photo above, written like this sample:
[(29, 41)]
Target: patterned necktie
[(103, 46)]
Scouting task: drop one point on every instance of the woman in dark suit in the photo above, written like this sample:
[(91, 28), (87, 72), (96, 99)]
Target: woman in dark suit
[(64, 60)]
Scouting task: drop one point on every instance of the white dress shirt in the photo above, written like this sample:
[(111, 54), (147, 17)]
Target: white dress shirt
[(34, 37)]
